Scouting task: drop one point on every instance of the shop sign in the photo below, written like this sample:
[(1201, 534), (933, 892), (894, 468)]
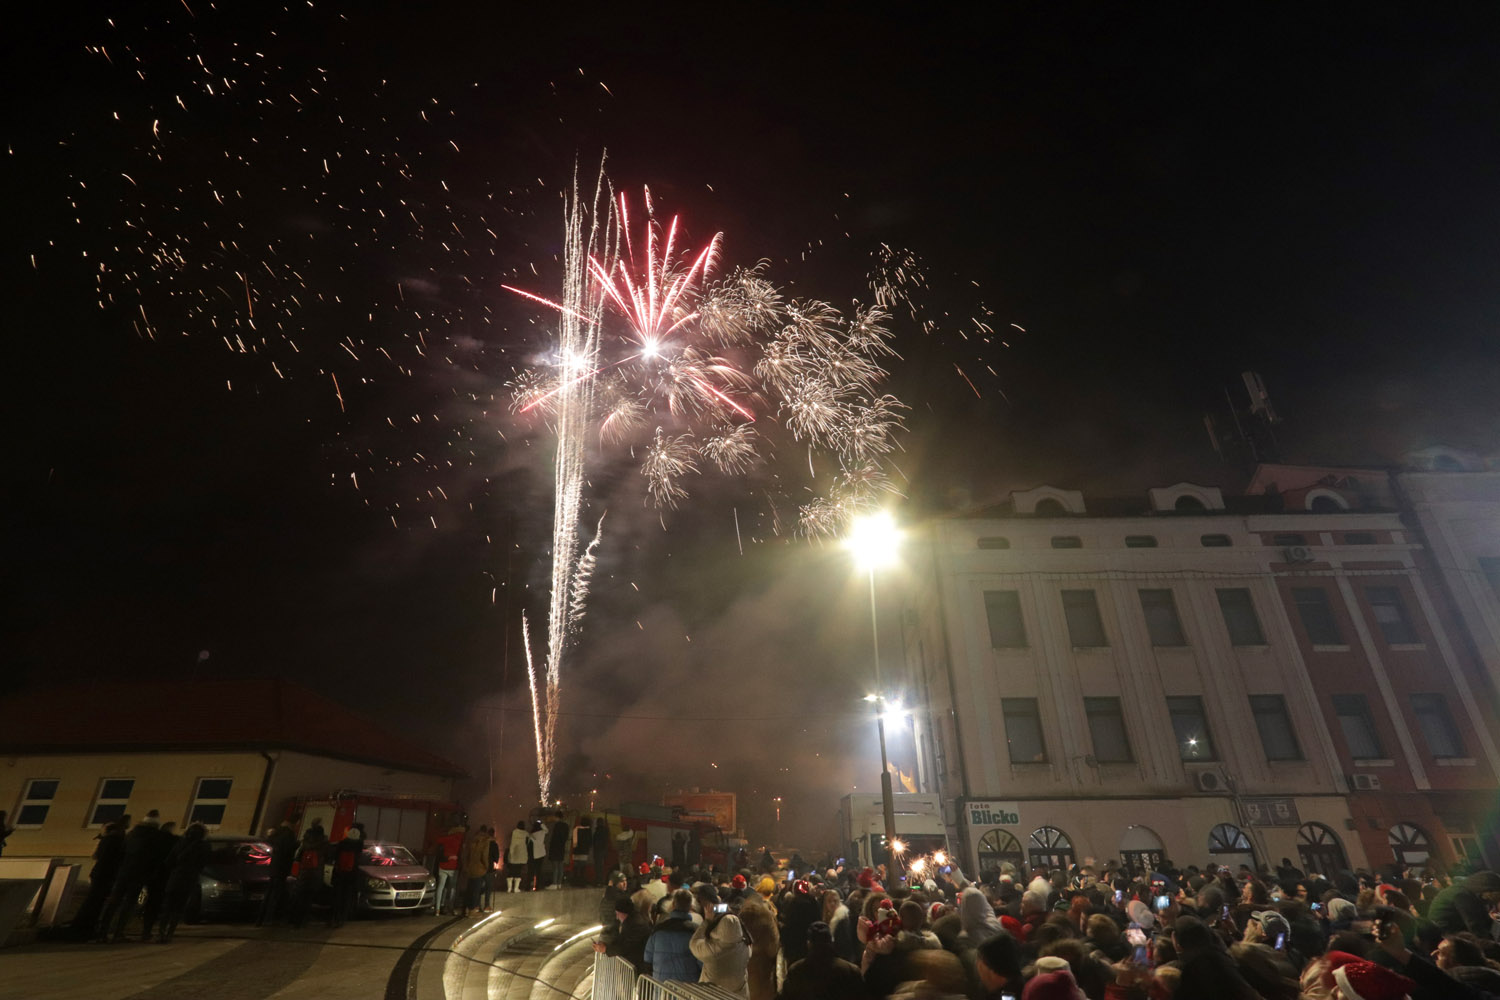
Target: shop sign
[(987, 813), (1272, 810)]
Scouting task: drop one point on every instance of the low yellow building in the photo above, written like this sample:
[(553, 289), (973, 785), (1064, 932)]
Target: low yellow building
[(230, 754)]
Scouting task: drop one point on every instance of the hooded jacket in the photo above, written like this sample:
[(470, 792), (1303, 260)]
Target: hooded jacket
[(1460, 908), (724, 951)]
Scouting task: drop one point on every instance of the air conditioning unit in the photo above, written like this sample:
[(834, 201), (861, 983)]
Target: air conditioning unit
[(1365, 782), (1297, 554), (1210, 780)]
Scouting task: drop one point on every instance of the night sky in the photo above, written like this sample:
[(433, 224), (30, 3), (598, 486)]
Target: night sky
[(1139, 206)]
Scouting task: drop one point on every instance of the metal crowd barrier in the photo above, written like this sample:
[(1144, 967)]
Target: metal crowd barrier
[(614, 978), (647, 988)]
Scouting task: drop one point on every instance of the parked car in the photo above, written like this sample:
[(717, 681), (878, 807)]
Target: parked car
[(393, 879), (233, 883)]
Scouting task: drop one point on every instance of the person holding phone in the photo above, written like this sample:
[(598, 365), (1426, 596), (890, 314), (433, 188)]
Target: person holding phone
[(720, 943)]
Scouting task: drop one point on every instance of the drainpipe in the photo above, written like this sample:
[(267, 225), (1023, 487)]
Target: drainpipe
[(265, 791)]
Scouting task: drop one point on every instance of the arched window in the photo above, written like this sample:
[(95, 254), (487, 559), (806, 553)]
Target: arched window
[(1187, 504), (1410, 846), (997, 847), (1049, 507), (1050, 848), (1319, 850), (1141, 849), (1226, 838)]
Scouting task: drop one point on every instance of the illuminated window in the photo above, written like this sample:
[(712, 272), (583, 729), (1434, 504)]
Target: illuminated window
[(210, 800), (112, 800), (36, 802), (1190, 726)]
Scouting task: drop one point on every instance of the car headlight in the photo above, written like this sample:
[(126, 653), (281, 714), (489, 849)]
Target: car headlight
[(376, 885), (431, 884)]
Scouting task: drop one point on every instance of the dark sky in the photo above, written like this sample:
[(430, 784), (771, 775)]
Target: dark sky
[(1160, 200)]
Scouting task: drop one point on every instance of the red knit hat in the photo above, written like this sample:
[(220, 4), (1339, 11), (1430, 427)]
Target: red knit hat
[(1335, 960), (645, 868), (866, 878), (738, 881), (1361, 980), (1058, 984)]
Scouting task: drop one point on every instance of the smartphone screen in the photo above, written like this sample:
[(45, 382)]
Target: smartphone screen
[(1224, 915), (1162, 902), (721, 907), (790, 875), (1119, 896), (1280, 941)]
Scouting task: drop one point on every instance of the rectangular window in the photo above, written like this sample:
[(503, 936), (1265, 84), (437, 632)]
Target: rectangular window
[(1067, 542), (1359, 538), (1317, 616), (36, 802), (1275, 726), (1140, 541), (1107, 728), (1007, 629), (1085, 627), (1239, 617), (1289, 539), (1162, 623), (1443, 739), (1023, 730), (1215, 541), (112, 800), (210, 799), (1390, 614), (1190, 726), (1358, 726)]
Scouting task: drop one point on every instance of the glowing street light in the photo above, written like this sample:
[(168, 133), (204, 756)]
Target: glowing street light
[(875, 542)]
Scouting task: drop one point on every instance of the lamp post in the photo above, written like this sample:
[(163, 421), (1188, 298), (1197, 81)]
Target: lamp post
[(874, 540)]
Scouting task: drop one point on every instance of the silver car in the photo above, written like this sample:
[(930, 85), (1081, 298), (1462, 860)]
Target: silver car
[(392, 879)]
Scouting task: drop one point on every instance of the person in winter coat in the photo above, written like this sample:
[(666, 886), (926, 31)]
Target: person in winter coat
[(822, 975), (977, 916), (476, 860), (599, 848), (669, 955), (309, 871), (625, 934), (557, 849), (800, 909), (759, 921), (515, 857), (107, 858), (721, 944), (1465, 906), (538, 855), (1208, 973), (346, 875), (449, 846), (136, 865), (283, 852), (185, 864), (617, 887)]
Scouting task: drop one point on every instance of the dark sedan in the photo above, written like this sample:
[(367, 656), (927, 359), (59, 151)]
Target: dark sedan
[(234, 881)]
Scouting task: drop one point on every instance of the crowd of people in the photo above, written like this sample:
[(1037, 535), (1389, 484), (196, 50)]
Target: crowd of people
[(535, 855), (1105, 933)]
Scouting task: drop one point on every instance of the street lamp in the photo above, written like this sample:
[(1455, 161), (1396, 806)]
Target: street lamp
[(874, 539)]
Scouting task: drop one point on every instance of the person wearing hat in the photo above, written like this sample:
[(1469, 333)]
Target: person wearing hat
[(614, 888), (721, 944), (1361, 980), (1465, 906), (822, 975), (625, 934)]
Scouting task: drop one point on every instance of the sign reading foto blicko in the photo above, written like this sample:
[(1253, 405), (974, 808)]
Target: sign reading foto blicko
[(985, 813)]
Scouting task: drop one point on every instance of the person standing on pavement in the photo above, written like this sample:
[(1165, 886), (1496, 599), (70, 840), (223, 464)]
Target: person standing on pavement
[(491, 871), (107, 858), (537, 855), (185, 864), (449, 846), (283, 853), (156, 883), (557, 850), (346, 855), (625, 934), (135, 867), (476, 859), (721, 944), (309, 869), (515, 857), (600, 847)]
